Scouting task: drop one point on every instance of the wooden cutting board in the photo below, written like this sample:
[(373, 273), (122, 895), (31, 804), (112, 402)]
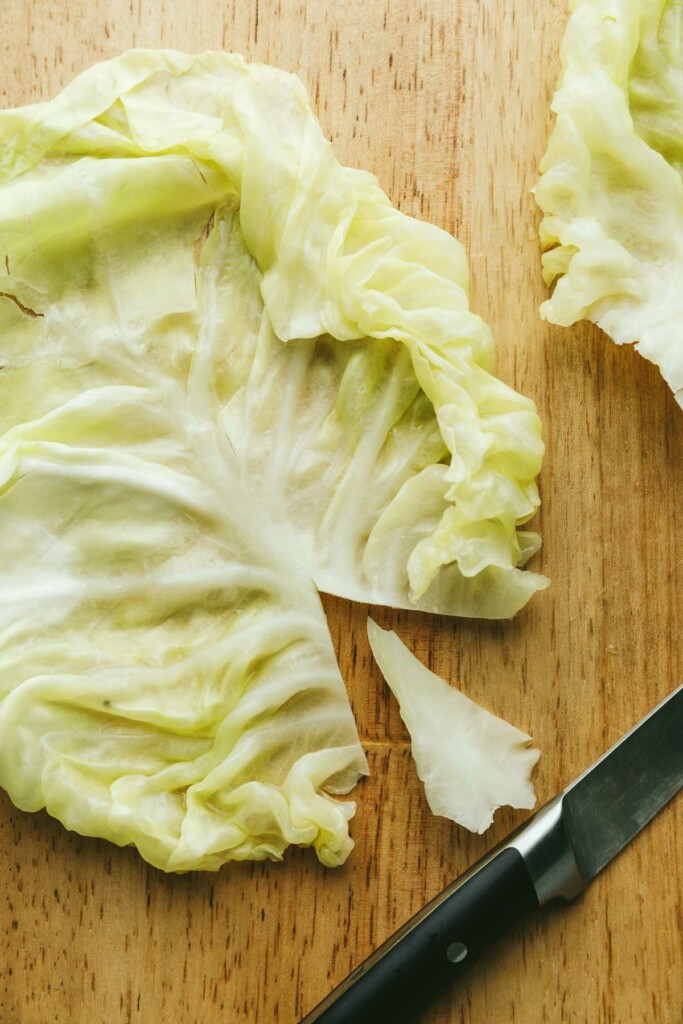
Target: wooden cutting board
[(447, 102)]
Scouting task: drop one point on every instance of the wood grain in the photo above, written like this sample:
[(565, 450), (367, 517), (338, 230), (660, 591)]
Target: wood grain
[(447, 102)]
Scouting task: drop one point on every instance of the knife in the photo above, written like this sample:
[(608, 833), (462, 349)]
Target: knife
[(554, 855)]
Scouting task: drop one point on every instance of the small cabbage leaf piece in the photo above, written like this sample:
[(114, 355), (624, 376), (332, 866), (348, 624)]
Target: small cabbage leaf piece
[(611, 185), (228, 368), (471, 762)]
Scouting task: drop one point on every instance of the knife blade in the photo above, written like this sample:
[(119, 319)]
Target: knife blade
[(554, 855)]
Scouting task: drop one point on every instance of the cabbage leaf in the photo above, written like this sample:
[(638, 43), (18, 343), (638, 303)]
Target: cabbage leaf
[(471, 762), (229, 369), (611, 185)]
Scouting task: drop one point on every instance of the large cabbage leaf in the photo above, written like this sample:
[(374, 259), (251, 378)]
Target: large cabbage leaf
[(172, 475), (471, 762), (404, 465), (611, 187)]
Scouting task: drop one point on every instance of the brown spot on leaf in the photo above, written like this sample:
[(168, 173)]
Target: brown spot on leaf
[(17, 302), (199, 171), (199, 244)]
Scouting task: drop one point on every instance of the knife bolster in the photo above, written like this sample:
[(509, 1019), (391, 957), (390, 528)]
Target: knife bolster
[(547, 851)]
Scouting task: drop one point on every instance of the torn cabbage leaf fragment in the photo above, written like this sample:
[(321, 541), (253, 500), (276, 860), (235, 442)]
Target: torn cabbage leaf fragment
[(611, 186), (228, 367), (471, 762)]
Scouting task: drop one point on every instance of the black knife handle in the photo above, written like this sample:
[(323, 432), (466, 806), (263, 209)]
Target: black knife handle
[(435, 948)]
